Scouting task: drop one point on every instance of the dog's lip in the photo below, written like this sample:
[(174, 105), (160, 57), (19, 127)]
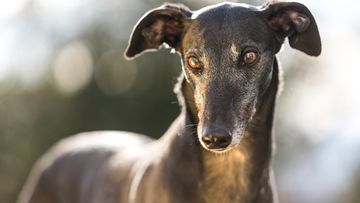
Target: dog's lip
[(218, 151)]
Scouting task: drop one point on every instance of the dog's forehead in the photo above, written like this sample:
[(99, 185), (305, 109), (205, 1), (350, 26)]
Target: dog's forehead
[(226, 14), (223, 8), (233, 23)]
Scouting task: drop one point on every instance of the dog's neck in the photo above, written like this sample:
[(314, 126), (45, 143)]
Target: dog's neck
[(239, 175)]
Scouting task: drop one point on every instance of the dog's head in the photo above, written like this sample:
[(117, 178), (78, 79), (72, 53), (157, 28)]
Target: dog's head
[(227, 53)]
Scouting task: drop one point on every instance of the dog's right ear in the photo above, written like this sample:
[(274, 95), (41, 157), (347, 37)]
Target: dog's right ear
[(165, 24)]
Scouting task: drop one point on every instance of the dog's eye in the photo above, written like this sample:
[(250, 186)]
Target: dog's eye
[(249, 57), (194, 62)]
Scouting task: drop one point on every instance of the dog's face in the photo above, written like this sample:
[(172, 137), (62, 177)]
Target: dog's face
[(227, 52), (227, 55)]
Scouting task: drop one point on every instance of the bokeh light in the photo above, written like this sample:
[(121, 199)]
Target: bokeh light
[(73, 68), (11, 8)]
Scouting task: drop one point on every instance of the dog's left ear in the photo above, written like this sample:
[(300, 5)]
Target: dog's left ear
[(165, 24), (295, 21)]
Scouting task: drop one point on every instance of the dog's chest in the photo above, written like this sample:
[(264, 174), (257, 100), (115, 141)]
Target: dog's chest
[(226, 179)]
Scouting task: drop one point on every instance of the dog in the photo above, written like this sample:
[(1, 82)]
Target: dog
[(219, 149)]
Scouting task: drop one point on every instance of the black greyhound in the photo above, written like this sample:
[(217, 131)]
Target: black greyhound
[(219, 149)]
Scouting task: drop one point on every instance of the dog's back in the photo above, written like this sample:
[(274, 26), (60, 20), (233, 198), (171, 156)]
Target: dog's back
[(74, 164)]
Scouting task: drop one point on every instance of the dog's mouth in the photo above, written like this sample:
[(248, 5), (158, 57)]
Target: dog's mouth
[(219, 151)]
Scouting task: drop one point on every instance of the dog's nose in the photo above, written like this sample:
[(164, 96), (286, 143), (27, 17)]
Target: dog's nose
[(216, 139)]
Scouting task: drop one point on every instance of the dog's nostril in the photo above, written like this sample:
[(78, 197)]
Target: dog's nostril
[(216, 140), (223, 141), (206, 140)]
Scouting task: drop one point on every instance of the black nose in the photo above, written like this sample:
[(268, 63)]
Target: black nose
[(214, 138)]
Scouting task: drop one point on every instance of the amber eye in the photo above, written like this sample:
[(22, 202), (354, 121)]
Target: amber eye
[(194, 62), (249, 57)]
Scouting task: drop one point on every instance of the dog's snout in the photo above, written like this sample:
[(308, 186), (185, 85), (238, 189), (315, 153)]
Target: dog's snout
[(216, 139)]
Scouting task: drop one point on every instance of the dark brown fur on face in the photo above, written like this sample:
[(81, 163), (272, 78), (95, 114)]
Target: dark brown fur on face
[(122, 167)]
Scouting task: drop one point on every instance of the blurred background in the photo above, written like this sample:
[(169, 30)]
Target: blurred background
[(62, 72)]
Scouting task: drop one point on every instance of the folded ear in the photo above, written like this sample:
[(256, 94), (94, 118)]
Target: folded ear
[(295, 21), (165, 24)]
